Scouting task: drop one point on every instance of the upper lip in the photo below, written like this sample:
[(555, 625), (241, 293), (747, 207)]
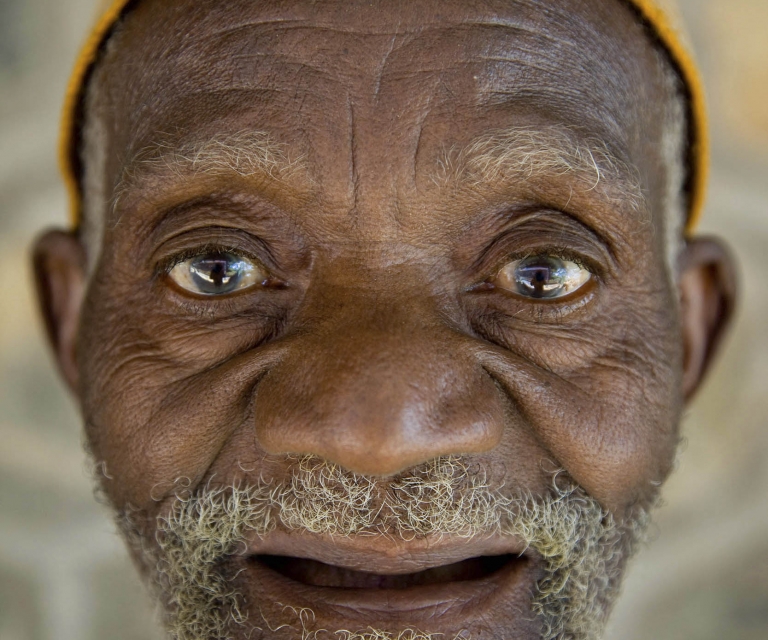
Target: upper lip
[(380, 553)]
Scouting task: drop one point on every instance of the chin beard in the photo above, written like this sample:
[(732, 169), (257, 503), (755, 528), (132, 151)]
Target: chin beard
[(582, 548)]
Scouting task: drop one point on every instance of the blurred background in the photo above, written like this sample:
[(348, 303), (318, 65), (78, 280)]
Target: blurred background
[(63, 572)]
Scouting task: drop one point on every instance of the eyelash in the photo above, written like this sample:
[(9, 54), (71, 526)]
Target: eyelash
[(561, 252), (166, 265)]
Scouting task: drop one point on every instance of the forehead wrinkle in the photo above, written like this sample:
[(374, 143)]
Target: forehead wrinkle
[(410, 35), (525, 153), (302, 30), (284, 63), (247, 154)]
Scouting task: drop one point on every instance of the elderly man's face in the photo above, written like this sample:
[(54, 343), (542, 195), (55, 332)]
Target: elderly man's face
[(374, 274)]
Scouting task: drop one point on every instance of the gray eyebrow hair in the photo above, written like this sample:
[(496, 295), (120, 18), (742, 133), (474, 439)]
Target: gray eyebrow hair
[(523, 153), (244, 153)]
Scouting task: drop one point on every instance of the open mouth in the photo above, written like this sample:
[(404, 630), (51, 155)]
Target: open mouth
[(319, 574), (440, 585)]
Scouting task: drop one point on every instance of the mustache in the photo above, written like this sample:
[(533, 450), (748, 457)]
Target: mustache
[(446, 496), (581, 547)]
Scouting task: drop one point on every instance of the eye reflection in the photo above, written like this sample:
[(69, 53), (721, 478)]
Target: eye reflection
[(217, 273), (542, 276)]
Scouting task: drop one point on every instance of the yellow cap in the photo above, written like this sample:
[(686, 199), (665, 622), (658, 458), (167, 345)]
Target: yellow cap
[(661, 15)]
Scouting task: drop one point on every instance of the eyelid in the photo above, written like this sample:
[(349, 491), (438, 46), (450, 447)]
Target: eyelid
[(563, 253), (166, 265), (186, 241), (547, 232)]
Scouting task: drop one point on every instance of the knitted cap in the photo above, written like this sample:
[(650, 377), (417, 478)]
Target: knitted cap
[(661, 16)]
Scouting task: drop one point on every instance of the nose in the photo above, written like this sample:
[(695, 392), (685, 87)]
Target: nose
[(377, 384)]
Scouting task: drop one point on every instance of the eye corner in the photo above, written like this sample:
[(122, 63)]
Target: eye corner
[(481, 287)]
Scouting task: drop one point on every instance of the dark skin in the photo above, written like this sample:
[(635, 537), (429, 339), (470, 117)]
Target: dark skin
[(382, 337)]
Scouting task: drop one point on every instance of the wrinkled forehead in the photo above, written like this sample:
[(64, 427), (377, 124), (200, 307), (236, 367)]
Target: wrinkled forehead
[(413, 75)]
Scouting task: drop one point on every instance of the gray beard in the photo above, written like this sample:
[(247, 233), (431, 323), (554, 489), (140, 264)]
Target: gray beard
[(582, 548)]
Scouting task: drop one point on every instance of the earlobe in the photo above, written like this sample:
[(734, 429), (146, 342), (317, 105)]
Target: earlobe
[(708, 293), (59, 269)]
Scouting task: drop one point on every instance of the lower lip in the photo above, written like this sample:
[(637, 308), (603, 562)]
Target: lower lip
[(443, 603)]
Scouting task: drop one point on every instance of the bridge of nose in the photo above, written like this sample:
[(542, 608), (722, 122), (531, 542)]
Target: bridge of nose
[(376, 381)]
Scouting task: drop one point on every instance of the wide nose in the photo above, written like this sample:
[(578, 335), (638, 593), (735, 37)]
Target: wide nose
[(377, 382)]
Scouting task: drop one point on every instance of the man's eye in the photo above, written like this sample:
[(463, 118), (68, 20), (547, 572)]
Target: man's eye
[(217, 273), (542, 277)]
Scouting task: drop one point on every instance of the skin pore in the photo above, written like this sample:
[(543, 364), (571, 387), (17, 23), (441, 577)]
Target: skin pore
[(377, 168)]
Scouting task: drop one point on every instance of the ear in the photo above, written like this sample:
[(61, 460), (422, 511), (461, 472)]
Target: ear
[(708, 294), (59, 269)]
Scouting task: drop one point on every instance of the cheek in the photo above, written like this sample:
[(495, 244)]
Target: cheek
[(624, 446), (162, 391), (603, 398)]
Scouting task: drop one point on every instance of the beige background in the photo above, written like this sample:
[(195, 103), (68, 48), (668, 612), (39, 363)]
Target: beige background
[(63, 573)]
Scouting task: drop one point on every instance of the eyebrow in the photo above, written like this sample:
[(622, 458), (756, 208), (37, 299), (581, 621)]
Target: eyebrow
[(526, 153), (246, 154)]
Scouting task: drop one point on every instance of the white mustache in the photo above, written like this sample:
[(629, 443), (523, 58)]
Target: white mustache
[(581, 547), (445, 496)]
